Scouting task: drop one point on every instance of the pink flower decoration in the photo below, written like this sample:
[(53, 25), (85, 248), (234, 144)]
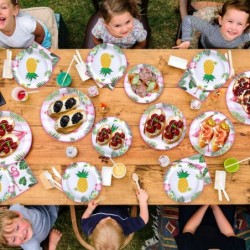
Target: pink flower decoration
[(167, 187), (192, 65), (90, 110), (98, 187), (11, 189)]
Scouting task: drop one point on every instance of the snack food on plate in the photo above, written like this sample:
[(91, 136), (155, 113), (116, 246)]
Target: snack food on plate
[(246, 101), (8, 144), (62, 105), (103, 134), (221, 132), (155, 123), (173, 129), (117, 139), (70, 121), (143, 82), (206, 131), (6, 126)]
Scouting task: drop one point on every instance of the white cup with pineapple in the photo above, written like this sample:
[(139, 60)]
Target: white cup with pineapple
[(119, 170)]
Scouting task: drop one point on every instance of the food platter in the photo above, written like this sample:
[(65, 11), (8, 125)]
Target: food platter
[(217, 141), (209, 70), (49, 123), (234, 103), (81, 182), (183, 182), (23, 133), (157, 142), (143, 83), (106, 64), (33, 66), (115, 124)]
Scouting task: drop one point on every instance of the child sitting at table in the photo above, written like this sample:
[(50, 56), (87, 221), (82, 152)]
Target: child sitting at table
[(19, 30), (107, 226), (229, 30), (28, 226), (208, 227), (118, 25)]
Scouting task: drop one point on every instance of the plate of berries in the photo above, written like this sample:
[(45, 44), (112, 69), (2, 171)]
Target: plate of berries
[(15, 138)]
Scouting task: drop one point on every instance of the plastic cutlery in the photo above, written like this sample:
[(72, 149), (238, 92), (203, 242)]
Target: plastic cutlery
[(50, 178), (224, 192), (56, 173), (135, 178)]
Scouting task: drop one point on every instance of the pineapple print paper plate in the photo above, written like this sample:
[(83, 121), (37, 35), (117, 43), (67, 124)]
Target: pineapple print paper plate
[(209, 70), (81, 182), (106, 64), (211, 133), (7, 185), (85, 104), (22, 131), (115, 125), (143, 83), (183, 182), (32, 67), (238, 97)]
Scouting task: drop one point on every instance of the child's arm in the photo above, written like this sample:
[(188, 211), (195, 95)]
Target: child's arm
[(142, 197), (97, 40), (222, 221), (195, 220), (54, 238), (39, 33), (91, 207), (140, 45)]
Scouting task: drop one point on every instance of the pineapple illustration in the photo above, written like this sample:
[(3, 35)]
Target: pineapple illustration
[(82, 184), (208, 70), (0, 183), (183, 183), (105, 62), (31, 65)]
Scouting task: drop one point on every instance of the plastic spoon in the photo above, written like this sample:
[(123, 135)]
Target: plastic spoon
[(135, 178), (57, 174), (50, 178)]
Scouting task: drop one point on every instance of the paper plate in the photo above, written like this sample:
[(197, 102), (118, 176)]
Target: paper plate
[(114, 123), (6, 185), (81, 182), (23, 132), (195, 130), (157, 142), (106, 64), (48, 123), (183, 182), (32, 67), (150, 95), (235, 107), (209, 70)]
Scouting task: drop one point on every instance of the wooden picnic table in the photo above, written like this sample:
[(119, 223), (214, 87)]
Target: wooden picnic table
[(140, 158)]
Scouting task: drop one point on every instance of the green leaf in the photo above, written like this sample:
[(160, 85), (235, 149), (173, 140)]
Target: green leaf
[(23, 165), (23, 181)]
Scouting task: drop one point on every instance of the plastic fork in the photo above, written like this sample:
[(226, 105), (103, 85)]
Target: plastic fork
[(48, 175)]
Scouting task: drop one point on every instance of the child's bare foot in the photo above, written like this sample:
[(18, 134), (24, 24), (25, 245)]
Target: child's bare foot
[(54, 237)]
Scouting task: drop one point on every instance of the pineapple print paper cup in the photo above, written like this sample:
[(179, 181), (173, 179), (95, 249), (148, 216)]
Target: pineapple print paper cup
[(81, 182)]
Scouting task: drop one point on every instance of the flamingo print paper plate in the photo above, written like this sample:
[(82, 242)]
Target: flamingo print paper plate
[(209, 70), (238, 97), (211, 133), (143, 83), (183, 182), (85, 104), (81, 182), (106, 64), (32, 67), (22, 131), (115, 125), (6, 185)]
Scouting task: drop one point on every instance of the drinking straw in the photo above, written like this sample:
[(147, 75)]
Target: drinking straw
[(112, 161), (231, 62), (79, 56), (237, 162), (68, 70), (30, 92)]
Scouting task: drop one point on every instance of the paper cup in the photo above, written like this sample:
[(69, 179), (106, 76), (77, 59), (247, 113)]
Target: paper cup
[(119, 170), (66, 82), (233, 168), (163, 161), (19, 94)]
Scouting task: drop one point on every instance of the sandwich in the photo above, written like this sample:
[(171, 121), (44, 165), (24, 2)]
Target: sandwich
[(103, 135), (63, 105), (155, 123), (117, 139), (6, 126), (221, 133), (70, 121), (173, 129), (8, 145), (206, 131)]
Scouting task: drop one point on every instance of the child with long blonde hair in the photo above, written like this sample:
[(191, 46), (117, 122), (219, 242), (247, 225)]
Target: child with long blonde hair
[(118, 25)]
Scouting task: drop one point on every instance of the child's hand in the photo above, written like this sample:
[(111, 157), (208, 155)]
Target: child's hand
[(142, 196), (183, 45), (92, 205)]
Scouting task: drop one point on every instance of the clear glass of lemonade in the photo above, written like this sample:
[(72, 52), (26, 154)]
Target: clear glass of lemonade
[(231, 165), (119, 170)]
